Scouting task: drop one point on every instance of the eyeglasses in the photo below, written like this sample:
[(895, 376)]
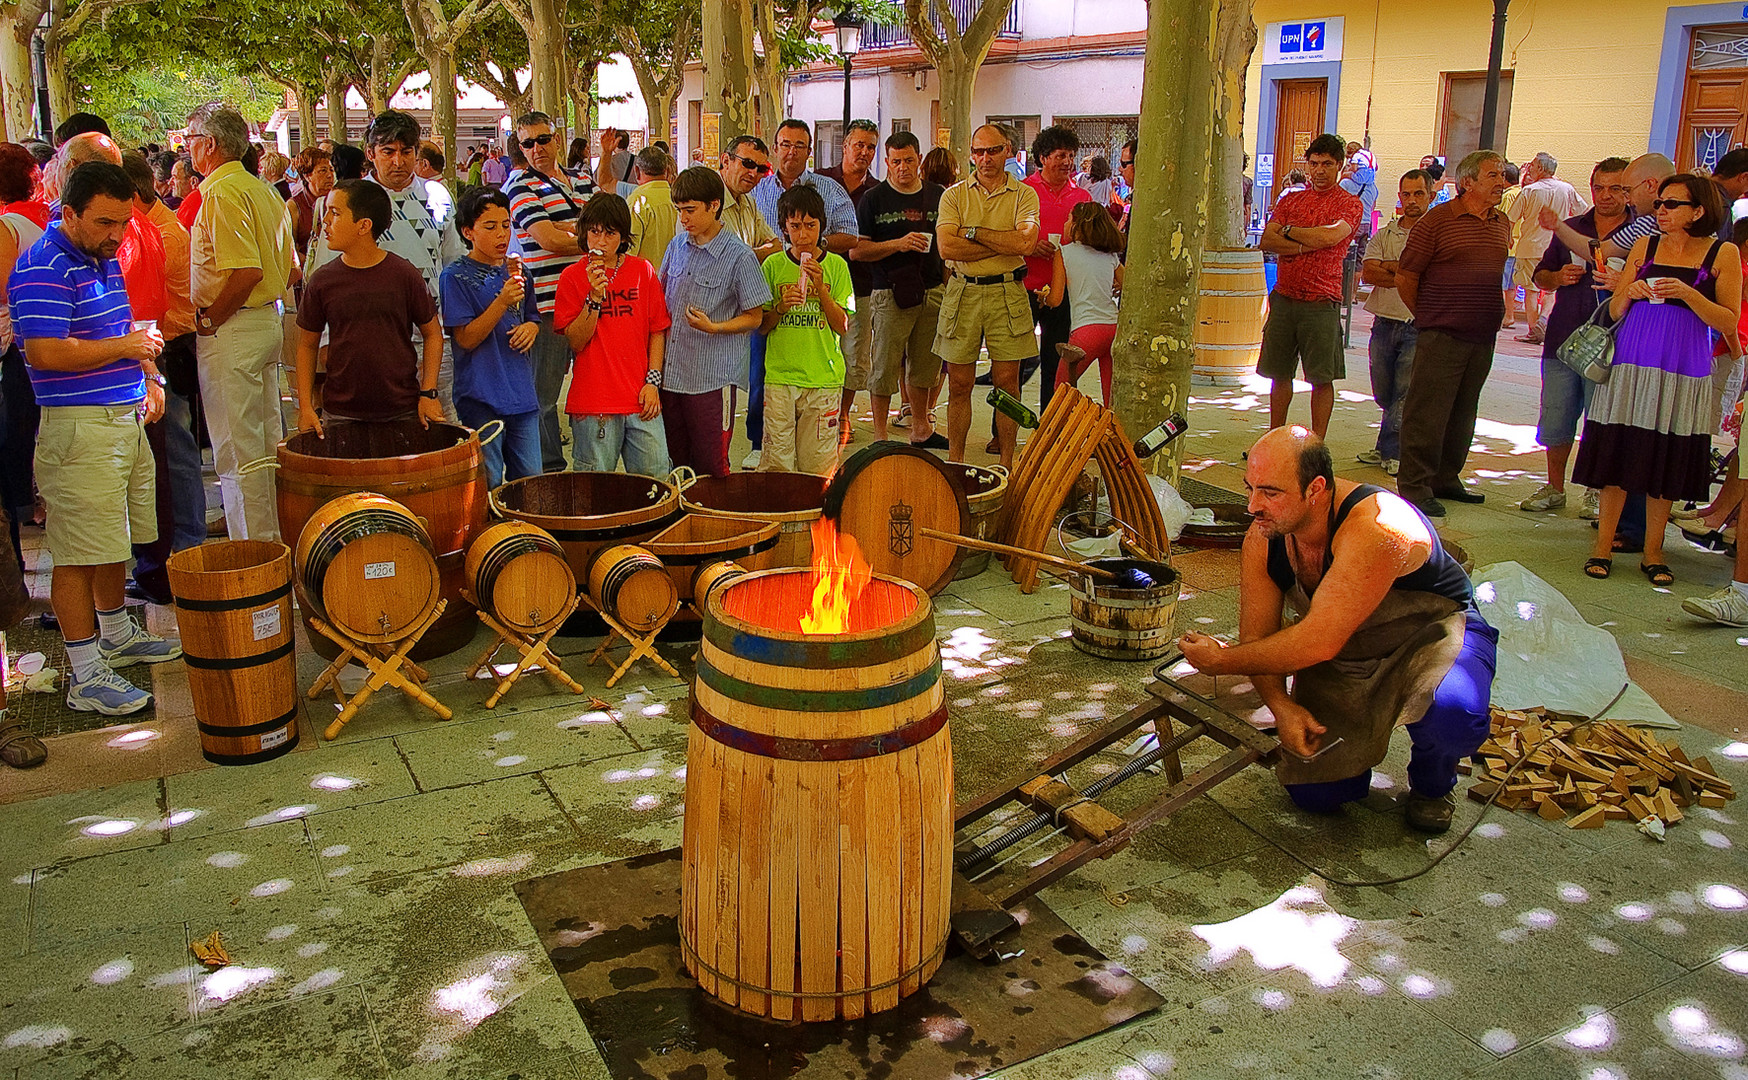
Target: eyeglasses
[(759, 167), (985, 151), (787, 145), (538, 140), (1671, 204), (1613, 189)]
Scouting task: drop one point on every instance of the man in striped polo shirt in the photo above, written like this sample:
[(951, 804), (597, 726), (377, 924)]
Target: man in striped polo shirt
[(544, 206), (98, 384), (1449, 278)]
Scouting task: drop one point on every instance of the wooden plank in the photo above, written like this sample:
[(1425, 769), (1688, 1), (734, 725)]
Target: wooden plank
[(1592, 818), (754, 931), (909, 822), (853, 829), (936, 784), (785, 886), (885, 858), (728, 871), (818, 915)]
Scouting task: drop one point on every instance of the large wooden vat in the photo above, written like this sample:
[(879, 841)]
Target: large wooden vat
[(233, 612), (817, 848), (700, 540), (588, 511), (792, 500), (1229, 315), (436, 472)]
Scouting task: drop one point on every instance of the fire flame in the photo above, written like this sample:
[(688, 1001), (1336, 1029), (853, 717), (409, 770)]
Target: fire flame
[(840, 575)]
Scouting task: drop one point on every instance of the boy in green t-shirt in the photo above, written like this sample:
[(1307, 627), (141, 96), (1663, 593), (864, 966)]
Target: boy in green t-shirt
[(804, 363)]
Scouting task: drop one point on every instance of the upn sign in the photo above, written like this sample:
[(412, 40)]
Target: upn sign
[(1302, 38)]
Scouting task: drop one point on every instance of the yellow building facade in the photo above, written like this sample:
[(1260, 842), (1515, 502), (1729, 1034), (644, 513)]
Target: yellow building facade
[(1584, 79)]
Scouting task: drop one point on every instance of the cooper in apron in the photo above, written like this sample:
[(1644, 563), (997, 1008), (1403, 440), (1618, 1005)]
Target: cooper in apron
[(1383, 633)]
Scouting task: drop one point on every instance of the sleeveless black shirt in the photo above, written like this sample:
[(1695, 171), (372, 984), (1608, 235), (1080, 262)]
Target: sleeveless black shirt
[(1440, 575)]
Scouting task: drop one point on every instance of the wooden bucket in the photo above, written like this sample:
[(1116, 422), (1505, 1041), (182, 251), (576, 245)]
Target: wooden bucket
[(366, 566), (792, 500), (233, 609), (1124, 624), (984, 487), (633, 586), (817, 851), (436, 472), (1229, 316), (588, 511), (699, 540), (519, 574)]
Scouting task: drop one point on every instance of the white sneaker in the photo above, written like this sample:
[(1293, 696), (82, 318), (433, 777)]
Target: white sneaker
[(1727, 606), (1369, 457), (1547, 497), (107, 693), (1392, 466), (143, 647), (751, 461), (1589, 509)]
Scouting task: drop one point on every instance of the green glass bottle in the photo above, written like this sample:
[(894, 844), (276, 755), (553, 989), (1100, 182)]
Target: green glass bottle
[(1012, 407)]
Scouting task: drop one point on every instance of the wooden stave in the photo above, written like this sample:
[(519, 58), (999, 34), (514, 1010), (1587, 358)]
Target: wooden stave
[(366, 509), (256, 685), (747, 875), (617, 568), (583, 536), (496, 552)]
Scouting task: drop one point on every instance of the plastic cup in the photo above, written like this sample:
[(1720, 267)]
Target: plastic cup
[(143, 324), (929, 242), (1055, 239)]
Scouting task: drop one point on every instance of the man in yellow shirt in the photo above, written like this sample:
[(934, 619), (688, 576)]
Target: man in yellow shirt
[(988, 223), (652, 206), (744, 164), (241, 249)]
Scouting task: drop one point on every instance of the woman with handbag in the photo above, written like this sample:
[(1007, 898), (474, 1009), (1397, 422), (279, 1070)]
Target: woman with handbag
[(1647, 429)]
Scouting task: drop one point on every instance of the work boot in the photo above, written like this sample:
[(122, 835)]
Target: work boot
[(1430, 815)]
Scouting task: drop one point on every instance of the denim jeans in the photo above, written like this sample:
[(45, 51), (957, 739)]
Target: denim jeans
[(756, 394), (599, 442), (1392, 353), (187, 489), (514, 453), (552, 361)]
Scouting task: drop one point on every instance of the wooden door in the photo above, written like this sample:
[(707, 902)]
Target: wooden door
[(1299, 108), (1465, 95), (1714, 117)]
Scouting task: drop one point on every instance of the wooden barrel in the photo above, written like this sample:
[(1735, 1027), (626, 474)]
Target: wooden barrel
[(984, 487), (233, 610), (519, 574), (817, 857), (792, 500), (712, 576), (633, 586), (588, 511), (699, 540), (1229, 315), (366, 566), (436, 472), (1124, 624)]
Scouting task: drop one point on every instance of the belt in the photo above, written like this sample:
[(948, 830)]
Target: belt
[(996, 279)]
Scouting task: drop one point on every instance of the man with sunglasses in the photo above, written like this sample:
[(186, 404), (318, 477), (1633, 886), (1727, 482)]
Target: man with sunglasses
[(744, 164), (544, 206)]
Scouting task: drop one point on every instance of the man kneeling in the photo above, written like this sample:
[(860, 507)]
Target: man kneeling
[(1386, 633)]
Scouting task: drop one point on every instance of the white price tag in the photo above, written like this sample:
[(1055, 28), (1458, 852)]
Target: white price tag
[(266, 622), (375, 570), (275, 738)]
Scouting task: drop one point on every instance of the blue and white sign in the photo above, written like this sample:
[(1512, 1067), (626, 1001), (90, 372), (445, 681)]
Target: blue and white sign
[(1305, 42)]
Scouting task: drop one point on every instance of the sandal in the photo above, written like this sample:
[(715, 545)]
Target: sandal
[(1598, 568), (1659, 574), (18, 747)]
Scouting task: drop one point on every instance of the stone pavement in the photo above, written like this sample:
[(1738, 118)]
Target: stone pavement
[(364, 886)]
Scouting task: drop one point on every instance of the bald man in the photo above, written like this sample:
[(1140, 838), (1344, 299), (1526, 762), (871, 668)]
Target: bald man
[(1387, 633)]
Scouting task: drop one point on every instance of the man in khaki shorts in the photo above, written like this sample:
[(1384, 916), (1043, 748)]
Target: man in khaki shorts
[(987, 223), (98, 386)]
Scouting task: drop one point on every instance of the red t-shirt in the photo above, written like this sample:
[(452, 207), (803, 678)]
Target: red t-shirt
[(1053, 211), (1315, 275), (609, 372), (190, 207), (143, 266)]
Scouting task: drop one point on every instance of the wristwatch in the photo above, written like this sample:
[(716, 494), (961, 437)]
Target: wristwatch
[(204, 321), (969, 233), (432, 394), (159, 379)]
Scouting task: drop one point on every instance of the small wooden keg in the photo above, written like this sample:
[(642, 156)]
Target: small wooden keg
[(817, 851), (712, 576), (366, 566), (519, 574), (1120, 623), (633, 586), (1229, 316), (233, 610)]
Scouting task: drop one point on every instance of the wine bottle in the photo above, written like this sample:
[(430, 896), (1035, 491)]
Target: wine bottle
[(1012, 407), (1169, 428)]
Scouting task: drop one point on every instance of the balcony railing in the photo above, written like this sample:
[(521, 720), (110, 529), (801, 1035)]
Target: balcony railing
[(897, 35)]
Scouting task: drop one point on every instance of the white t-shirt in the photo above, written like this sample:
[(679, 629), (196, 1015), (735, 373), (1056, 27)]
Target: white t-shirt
[(26, 232), (1092, 278)]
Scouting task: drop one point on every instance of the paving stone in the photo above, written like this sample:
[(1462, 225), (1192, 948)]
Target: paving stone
[(496, 746), (79, 824), (293, 786), (624, 806)]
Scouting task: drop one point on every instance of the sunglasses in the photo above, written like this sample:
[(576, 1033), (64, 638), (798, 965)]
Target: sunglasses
[(759, 167), (1671, 204), (538, 140)]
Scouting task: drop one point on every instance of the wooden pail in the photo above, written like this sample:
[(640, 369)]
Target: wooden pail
[(1121, 623), (366, 566), (519, 575), (817, 849), (633, 586), (588, 511), (233, 610), (1229, 316), (792, 500), (984, 487)]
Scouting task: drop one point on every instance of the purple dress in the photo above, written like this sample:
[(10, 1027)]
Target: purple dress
[(1647, 429)]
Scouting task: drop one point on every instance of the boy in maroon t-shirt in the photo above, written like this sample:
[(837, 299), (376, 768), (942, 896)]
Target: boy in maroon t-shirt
[(369, 300), (611, 309)]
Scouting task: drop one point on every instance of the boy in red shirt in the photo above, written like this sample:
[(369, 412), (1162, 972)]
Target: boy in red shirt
[(611, 309)]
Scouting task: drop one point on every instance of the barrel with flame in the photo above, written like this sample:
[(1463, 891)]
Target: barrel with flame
[(817, 849)]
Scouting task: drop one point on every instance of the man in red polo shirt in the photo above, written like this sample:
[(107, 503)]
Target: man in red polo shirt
[(1309, 234), (1054, 150)]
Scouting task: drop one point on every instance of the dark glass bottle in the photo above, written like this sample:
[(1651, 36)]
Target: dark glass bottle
[(1169, 428)]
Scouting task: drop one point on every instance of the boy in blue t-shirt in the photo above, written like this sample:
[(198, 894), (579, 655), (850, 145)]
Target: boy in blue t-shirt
[(491, 315), (804, 362)]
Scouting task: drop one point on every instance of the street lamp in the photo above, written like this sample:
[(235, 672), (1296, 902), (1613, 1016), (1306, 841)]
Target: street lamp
[(849, 33)]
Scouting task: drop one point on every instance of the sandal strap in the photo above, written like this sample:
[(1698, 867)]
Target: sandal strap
[(16, 732)]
